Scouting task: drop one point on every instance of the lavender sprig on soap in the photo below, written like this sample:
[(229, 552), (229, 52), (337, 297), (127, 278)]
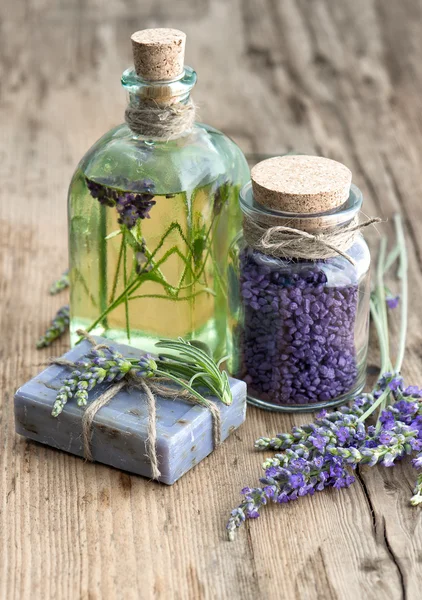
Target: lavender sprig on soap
[(188, 366), (100, 365)]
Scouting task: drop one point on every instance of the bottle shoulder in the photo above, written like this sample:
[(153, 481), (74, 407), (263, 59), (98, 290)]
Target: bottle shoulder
[(201, 156)]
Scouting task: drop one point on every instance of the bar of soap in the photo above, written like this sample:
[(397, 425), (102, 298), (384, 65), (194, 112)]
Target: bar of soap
[(184, 430)]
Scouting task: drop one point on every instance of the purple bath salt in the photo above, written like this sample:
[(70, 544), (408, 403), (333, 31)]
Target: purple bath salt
[(298, 336)]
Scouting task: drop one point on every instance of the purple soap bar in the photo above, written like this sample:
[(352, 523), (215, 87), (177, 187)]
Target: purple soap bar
[(184, 430)]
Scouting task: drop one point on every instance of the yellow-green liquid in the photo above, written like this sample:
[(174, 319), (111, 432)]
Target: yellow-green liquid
[(183, 292)]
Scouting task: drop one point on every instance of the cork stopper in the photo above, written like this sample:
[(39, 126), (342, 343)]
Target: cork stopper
[(301, 184), (159, 54)]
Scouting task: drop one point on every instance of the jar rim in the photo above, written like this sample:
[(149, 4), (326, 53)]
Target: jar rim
[(338, 216)]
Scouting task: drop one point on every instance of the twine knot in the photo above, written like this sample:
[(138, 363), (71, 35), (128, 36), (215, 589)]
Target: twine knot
[(282, 241)]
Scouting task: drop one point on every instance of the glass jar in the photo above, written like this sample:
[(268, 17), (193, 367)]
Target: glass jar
[(299, 328), (150, 223)]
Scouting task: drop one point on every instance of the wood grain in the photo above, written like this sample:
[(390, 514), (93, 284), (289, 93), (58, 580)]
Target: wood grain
[(342, 79)]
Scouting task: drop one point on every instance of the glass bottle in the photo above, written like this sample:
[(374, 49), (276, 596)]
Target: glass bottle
[(299, 327), (150, 223)]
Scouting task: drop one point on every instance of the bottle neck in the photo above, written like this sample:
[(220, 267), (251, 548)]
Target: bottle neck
[(159, 110)]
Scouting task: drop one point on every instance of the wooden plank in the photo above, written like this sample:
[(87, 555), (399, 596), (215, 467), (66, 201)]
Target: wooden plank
[(341, 79)]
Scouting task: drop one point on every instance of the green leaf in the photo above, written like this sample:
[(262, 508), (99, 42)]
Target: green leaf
[(203, 368), (202, 346)]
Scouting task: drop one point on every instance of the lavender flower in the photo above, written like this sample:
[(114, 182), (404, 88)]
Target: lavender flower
[(392, 301), (288, 477), (147, 366), (132, 199), (104, 195), (60, 284), (58, 326), (100, 365), (392, 380), (132, 207), (389, 445), (316, 433), (320, 454)]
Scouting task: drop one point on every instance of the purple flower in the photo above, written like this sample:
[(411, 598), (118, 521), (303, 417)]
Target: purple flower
[(385, 437), (388, 460), (282, 498), (318, 441), (417, 462), (147, 366), (412, 390), (299, 463), (296, 480), (321, 454), (392, 301), (272, 471), (318, 461), (270, 490), (322, 414), (395, 382), (99, 365), (342, 434), (131, 205), (416, 444), (388, 423)]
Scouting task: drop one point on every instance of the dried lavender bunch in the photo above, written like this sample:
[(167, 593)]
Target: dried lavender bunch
[(323, 459), (317, 428), (189, 366), (60, 284), (132, 199), (322, 453), (105, 364), (58, 326)]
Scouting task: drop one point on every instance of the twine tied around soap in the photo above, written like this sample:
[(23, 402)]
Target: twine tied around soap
[(150, 387), (282, 241), (160, 121)]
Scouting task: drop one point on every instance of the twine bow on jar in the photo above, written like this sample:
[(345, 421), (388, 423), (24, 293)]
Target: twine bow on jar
[(282, 241)]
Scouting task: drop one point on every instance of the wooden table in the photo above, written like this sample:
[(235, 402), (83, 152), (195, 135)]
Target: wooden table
[(337, 78)]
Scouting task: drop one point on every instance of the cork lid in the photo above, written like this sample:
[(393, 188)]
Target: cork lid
[(301, 184), (159, 54)]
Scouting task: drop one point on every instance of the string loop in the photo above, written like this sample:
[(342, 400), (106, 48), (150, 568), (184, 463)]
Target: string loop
[(282, 241)]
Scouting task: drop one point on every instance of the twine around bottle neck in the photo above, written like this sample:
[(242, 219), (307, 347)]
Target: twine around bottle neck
[(282, 241), (160, 120)]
